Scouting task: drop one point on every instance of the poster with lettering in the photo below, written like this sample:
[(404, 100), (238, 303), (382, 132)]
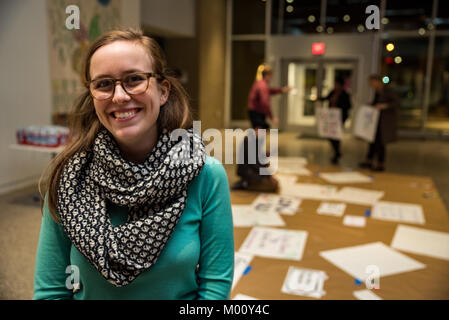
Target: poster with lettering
[(275, 243), (275, 203), (365, 124), (69, 37), (329, 123), (305, 282)]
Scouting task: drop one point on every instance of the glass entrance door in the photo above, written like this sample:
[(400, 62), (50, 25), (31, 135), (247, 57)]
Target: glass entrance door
[(308, 86)]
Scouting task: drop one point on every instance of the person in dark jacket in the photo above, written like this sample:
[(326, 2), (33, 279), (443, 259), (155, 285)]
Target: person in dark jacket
[(249, 170), (338, 98), (387, 102)]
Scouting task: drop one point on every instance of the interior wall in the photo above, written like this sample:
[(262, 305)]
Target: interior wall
[(131, 13), (169, 17), (24, 87)]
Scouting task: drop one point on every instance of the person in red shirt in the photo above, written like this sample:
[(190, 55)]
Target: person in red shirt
[(259, 100), (259, 108)]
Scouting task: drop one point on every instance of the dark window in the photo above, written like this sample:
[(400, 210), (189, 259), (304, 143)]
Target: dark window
[(348, 15), (298, 16), (246, 57), (405, 69), (248, 17), (408, 15)]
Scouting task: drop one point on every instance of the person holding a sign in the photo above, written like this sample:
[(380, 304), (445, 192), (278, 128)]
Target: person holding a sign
[(387, 102), (338, 98)]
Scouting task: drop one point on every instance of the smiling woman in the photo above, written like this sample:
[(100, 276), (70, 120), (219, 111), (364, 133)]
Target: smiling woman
[(129, 115), (114, 196)]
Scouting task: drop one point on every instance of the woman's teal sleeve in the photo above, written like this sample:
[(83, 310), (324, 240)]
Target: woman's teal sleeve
[(52, 261), (216, 267)]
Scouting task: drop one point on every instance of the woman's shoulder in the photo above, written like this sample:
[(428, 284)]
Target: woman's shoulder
[(260, 83), (212, 175), (212, 169), (211, 181)]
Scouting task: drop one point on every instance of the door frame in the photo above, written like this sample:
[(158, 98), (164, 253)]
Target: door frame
[(355, 85)]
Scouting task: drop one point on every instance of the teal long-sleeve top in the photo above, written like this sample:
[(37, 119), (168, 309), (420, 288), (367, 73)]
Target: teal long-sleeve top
[(196, 263)]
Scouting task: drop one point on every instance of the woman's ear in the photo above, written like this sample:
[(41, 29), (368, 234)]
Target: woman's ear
[(165, 91)]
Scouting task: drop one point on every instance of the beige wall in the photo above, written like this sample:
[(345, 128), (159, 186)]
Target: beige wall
[(169, 17), (211, 33), (23, 59), (130, 13)]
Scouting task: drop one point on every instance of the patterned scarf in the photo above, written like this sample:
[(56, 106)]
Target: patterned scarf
[(155, 193)]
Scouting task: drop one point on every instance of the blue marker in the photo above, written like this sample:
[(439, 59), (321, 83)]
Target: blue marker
[(367, 212), (248, 269), (358, 282)]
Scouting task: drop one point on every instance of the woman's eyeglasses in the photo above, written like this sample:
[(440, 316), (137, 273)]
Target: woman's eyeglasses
[(134, 83)]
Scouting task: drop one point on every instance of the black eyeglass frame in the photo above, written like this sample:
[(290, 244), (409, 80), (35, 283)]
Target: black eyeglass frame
[(148, 76)]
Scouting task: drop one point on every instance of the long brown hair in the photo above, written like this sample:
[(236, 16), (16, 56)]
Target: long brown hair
[(83, 121)]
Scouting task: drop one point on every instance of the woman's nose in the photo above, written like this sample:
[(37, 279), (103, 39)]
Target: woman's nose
[(120, 94)]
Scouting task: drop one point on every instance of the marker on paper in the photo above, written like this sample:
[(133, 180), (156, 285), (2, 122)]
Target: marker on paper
[(248, 269)]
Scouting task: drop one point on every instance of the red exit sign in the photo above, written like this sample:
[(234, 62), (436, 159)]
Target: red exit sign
[(318, 48)]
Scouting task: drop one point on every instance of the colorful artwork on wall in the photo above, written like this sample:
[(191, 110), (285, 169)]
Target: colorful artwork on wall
[(68, 47)]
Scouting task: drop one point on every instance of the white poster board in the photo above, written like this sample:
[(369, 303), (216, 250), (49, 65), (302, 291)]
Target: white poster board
[(329, 123), (365, 124), (275, 243)]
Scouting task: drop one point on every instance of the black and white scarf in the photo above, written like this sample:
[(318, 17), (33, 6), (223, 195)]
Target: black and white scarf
[(155, 193)]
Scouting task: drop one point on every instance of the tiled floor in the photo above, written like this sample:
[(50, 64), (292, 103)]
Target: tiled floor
[(20, 218)]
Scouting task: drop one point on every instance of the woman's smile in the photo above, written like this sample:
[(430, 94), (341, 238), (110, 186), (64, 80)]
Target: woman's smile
[(125, 115)]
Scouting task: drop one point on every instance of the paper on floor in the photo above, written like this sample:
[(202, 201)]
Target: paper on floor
[(396, 211), (354, 221), (290, 165), (332, 209), (430, 243), (242, 216), (275, 203), (300, 171), (275, 243), (301, 161), (360, 261), (310, 191), (285, 181), (345, 177), (366, 295), (246, 216), (358, 196), (241, 262), (304, 282)]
